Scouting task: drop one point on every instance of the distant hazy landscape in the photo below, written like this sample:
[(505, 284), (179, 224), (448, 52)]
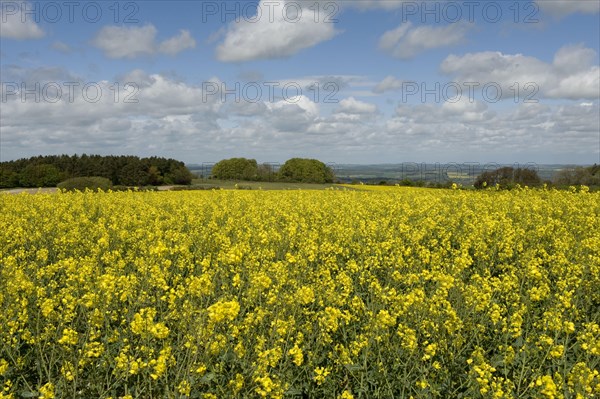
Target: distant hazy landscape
[(465, 173)]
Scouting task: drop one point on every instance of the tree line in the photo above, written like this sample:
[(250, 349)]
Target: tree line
[(508, 177), (296, 170), (124, 170), (587, 176)]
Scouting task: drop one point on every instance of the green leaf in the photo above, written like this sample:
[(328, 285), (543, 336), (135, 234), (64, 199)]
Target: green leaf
[(207, 378), (293, 392)]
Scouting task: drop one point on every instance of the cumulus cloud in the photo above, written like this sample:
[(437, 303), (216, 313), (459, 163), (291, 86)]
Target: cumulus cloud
[(295, 114), (353, 106), (126, 42), (178, 119), (406, 41), (105, 122), (566, 7), (40, 75), (522, 131), (467, 110), (389, 83), (177, 44), (571, 75), (136, 41), (12, 25), (279, 31)]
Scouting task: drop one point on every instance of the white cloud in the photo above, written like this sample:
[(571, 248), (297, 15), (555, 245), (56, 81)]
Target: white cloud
[(353, 106), (245, 108), (295, 114), (574, 58), (405, 42), (389, 83), (565, 7), (12, 25), (583, 84), (41, 75), (134, 41), (283, 35), (177, 44), (467, 111), (140, 77), (526, 130), (167, 114), (157, 97), (171, 112), (571, 75), (126, 42)]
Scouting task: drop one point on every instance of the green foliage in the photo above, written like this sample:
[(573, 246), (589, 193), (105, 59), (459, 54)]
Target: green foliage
[(507, 178), (134, 173), (8, 178), (82, 183), (46, 171), (236, 169), (305, 171), (296, 170), (266, 172), (180, 175), (42, 175), (589, 176)]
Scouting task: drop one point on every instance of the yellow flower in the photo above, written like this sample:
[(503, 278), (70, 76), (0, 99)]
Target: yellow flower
[(68, 370), (47, 391), (237, 383), (3, 367), (321, 374), (346, 395), (306, 295), (150, 287), (266, 385), (430, 350), (548, 387), (184, 388), (201, 369), (223, 311), (69, 337), (297, 355)]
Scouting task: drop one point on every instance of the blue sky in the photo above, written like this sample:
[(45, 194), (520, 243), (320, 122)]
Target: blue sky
[(161, 67)]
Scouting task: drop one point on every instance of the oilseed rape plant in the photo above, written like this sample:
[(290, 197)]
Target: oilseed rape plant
[(396, 293)]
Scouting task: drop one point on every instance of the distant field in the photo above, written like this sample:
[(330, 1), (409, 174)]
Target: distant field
[(203, 184), (228, 184)]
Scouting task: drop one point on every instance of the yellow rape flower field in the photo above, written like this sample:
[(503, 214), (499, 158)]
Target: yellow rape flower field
[(397, 293)]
